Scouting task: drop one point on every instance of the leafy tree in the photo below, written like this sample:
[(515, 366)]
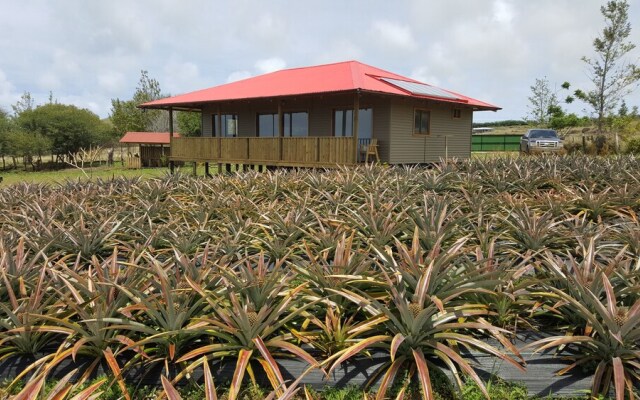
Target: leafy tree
[(5, 127), (546, 109), (67, 127), (612, 77), (623, 111), (28, 146), (24, 104), (561, 120), (189, 123), (127, 117), (541, 101)]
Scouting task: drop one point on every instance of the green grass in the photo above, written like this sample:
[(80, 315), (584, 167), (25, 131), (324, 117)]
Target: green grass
[(52, 177)]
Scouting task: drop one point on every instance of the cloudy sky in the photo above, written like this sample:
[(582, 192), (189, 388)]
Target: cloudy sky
[(89, 51)]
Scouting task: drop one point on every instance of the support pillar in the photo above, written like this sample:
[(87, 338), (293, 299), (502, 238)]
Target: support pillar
[(171, 163), (356, 122)]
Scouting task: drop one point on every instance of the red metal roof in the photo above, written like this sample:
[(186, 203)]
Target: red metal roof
[(147, 137), (328, 78)]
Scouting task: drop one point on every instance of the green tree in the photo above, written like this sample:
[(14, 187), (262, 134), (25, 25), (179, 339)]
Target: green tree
[(28, 145), (5, 127), (541, 101), (67, 127), (127, 117), (612, 77), (189, 123), (25, 103)]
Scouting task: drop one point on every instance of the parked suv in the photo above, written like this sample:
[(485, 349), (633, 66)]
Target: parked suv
[(540, 140)]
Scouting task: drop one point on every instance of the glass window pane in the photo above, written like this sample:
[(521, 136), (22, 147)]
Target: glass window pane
[(229, 125), (299, 124), (266, 125), (425, 122), (337, 124), (348, 123), (421, 122), (287, 124), (365, 123)]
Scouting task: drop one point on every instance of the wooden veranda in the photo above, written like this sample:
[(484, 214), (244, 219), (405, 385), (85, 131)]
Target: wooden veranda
[(268, 151)]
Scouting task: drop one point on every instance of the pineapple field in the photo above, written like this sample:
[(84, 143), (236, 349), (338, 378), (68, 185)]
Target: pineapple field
[(181, 275)]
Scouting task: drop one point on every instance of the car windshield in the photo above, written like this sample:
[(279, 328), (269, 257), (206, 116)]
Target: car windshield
[(543, 134)]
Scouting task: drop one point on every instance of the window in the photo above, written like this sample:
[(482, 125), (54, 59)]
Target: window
[(421, 122), (295, 124), (229, 125), (343, 123), (267, 125), (456, 113)]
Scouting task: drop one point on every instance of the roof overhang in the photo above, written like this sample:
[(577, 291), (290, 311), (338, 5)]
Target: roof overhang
[(320, 80), (198, 106), (147, 138)]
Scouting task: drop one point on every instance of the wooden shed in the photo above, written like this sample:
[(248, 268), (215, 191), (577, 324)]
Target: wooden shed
[(147, 149)]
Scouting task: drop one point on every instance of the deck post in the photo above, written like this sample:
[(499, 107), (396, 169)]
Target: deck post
[(206, 170), (171, 163), (280, 130), (356, 112), (218, 128)]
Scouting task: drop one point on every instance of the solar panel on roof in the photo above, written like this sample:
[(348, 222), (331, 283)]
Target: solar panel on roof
[(420, 89)]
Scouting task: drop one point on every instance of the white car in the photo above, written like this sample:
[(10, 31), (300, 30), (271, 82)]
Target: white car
[(540, 140)]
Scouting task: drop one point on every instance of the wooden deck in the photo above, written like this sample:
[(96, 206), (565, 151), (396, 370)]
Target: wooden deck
[(278, 151)]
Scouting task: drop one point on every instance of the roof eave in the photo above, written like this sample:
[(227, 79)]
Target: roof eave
[(197, 105)]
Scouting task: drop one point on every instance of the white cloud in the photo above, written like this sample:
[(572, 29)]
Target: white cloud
[(49, 81), (90, 52), (7, 92), (394, 35), (238, 75), (270, 65), (424, 75), (181, 76), (111, 81), (503, 12), (340, 50)]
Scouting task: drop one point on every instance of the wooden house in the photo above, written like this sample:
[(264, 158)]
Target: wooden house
[(325, 115)]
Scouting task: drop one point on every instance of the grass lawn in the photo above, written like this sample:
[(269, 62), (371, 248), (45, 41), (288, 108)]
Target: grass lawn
[(10, 178), (13, 177), (104, 172)]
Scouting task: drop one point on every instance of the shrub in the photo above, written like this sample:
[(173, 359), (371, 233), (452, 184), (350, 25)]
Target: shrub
[(633, 146)]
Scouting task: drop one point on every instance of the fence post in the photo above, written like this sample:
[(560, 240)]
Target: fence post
[(446, 148)]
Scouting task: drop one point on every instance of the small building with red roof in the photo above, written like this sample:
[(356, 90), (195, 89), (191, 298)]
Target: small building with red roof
[(147, 149), (325, 115)]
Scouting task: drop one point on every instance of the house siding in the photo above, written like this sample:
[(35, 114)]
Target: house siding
[(207, 121), (448, 135), (392, 123), (381, 127)]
